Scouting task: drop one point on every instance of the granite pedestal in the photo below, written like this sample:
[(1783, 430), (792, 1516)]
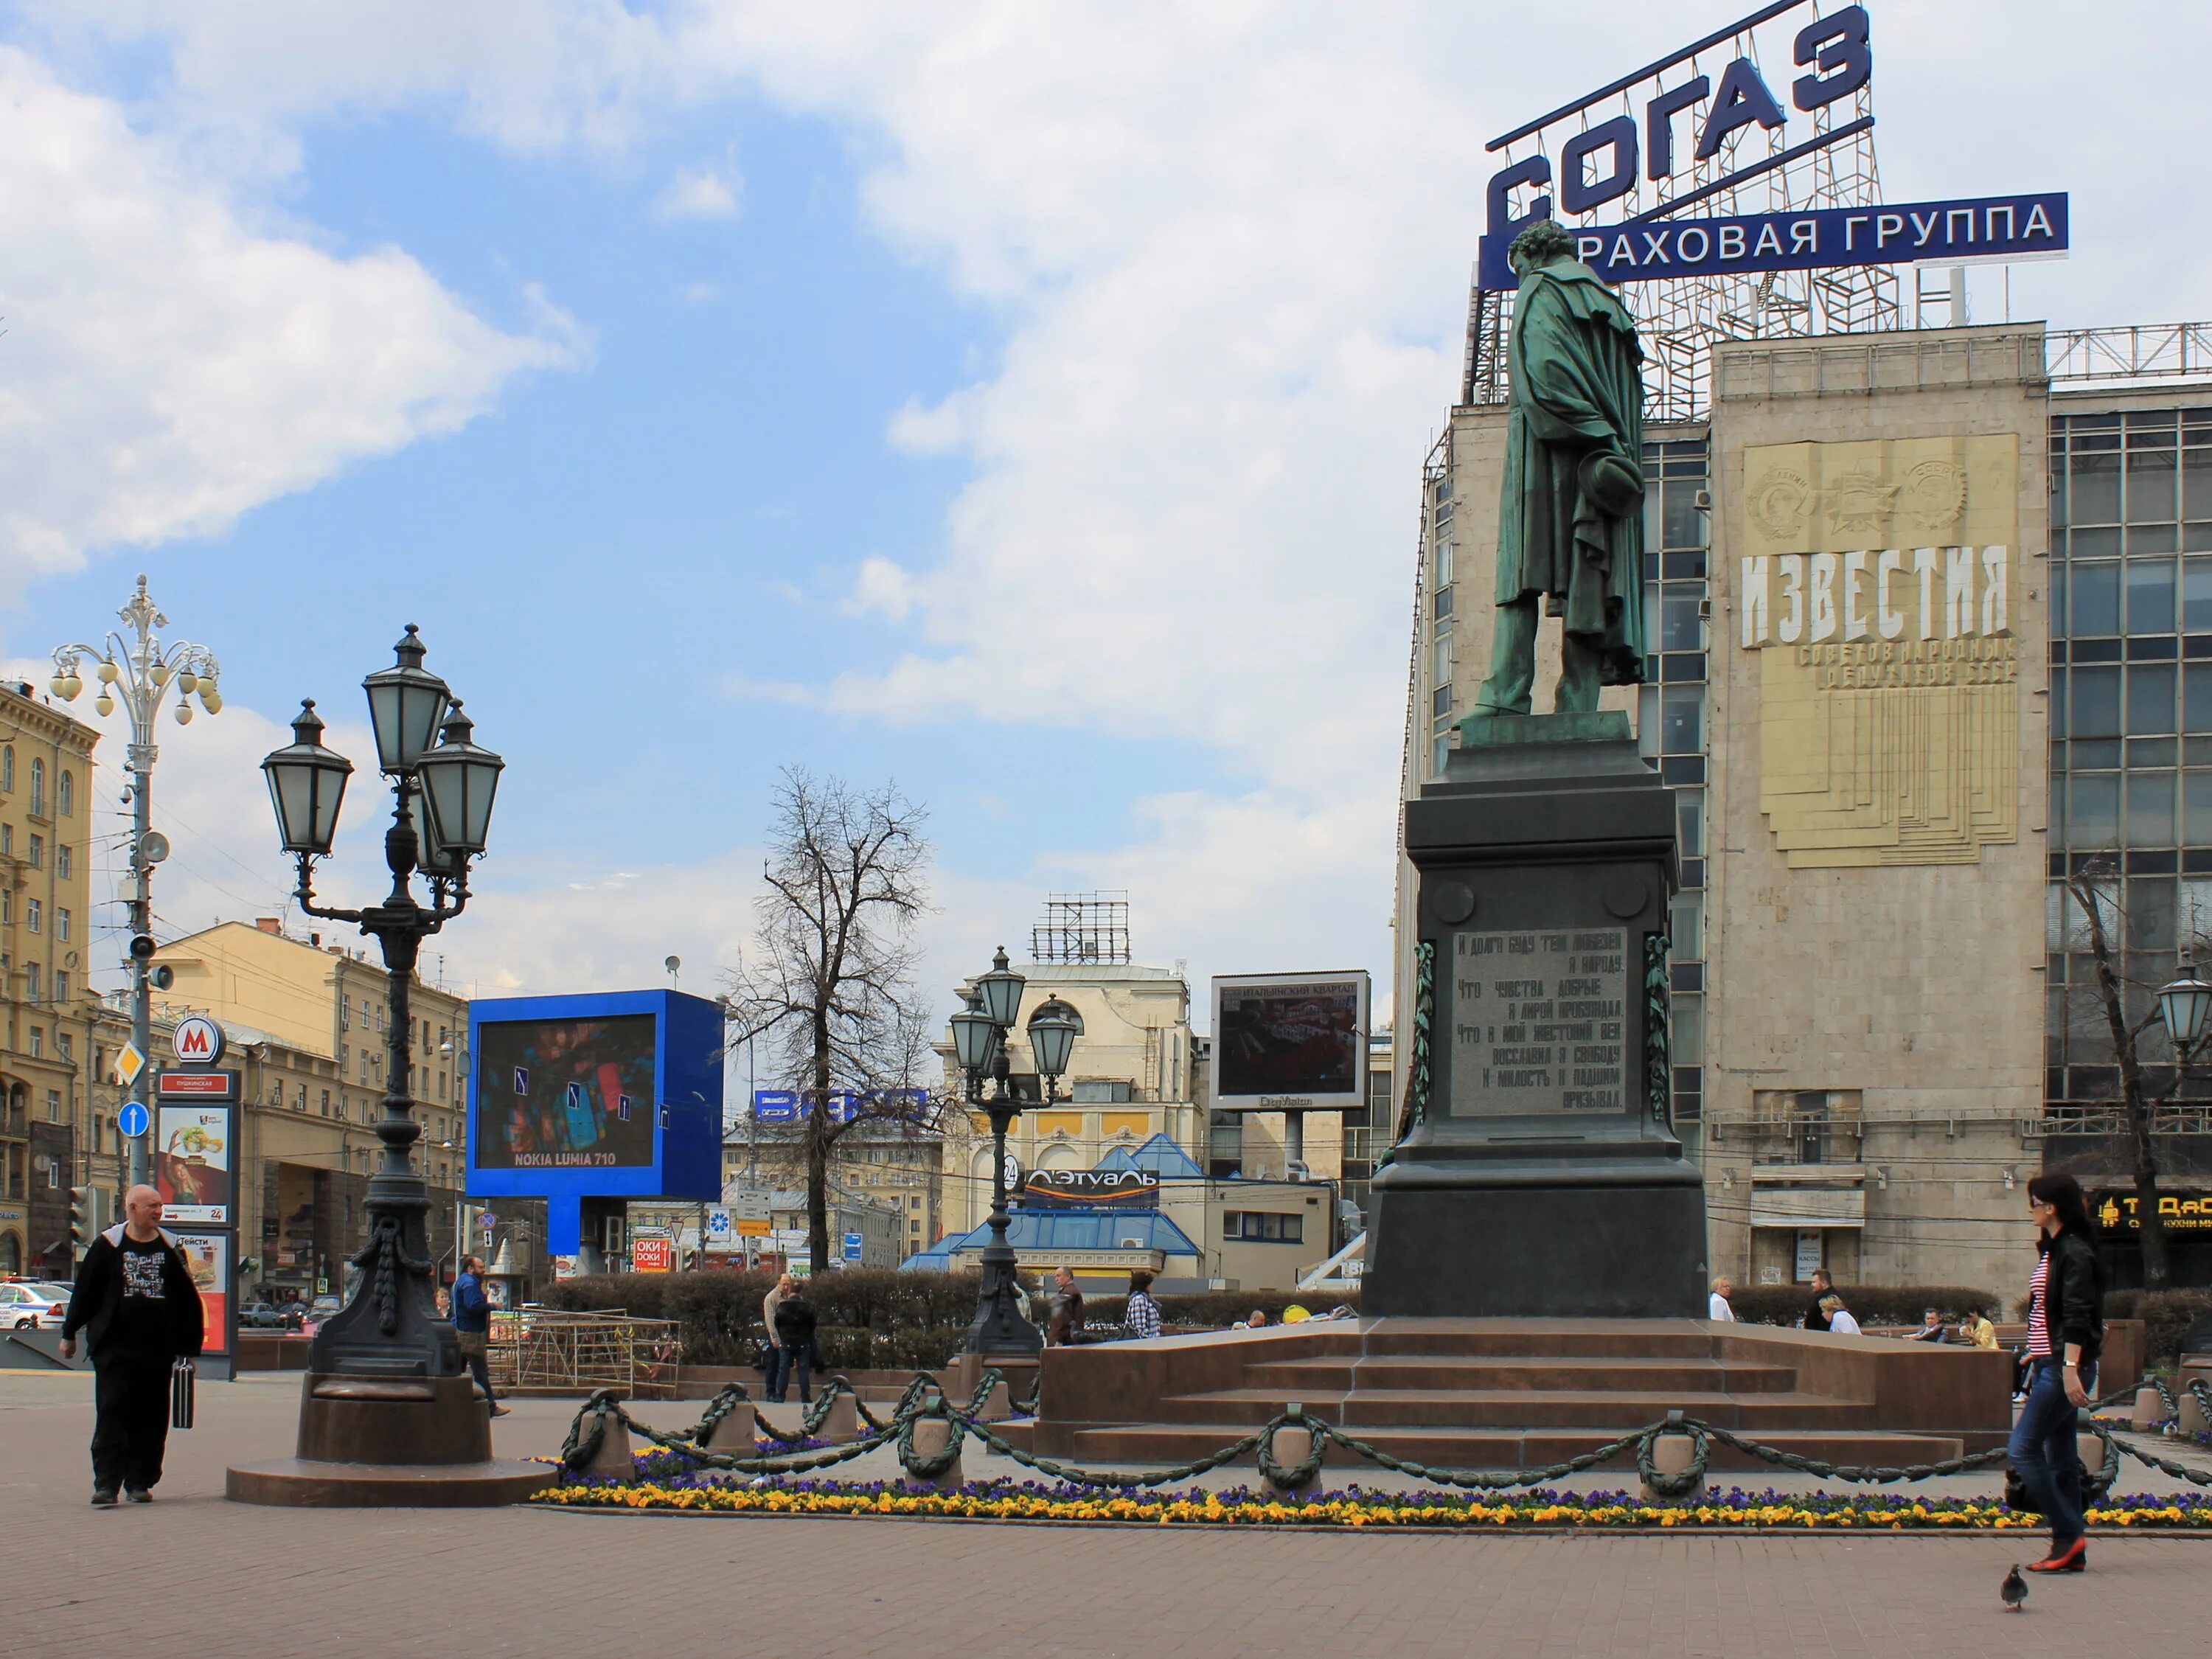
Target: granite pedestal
[(1542, 1177)]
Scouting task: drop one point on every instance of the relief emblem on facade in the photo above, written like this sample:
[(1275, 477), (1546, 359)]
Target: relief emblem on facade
[(1876, 581)]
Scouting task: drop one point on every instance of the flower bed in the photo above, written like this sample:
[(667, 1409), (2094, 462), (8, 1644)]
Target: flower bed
[(1736, 1510)]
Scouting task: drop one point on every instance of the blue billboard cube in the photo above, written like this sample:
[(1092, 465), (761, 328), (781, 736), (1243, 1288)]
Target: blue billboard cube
[(609, 1094)]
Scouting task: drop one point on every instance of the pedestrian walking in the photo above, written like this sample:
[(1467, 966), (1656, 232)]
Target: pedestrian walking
[(1142, 1317), (472, 1323), (135, 1301), (794, 1329), (1718, 1305), (1064, 1323), (778, 1369), (1816, 1317), (2065, 1334)]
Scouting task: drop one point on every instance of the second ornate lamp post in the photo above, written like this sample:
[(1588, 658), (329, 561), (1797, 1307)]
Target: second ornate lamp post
[(386, 1386), (979, 1045)]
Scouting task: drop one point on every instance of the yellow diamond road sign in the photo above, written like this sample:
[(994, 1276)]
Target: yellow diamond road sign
[(129, 1064)]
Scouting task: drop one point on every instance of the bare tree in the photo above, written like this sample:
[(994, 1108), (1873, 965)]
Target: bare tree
[(2095, 893), (830, 988)]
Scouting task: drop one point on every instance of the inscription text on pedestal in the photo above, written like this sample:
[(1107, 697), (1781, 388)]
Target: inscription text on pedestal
[(1538, 1022)]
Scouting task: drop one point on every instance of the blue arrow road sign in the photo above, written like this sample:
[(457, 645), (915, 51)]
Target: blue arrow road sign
[(132, 1120)]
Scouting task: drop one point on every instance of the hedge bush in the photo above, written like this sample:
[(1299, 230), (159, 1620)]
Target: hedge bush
[(2166, 1317), (871, 1319), (1871, 1304)]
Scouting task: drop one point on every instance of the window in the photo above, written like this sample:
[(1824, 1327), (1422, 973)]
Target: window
[(8, 769), (65, 859), (65, 794), (61, 986), (53, 1105), (441, 1083), (300, 1100), (32, 914), (68, 1044), (37, 1041), (327, 1102), (38, 788), (38, 851), (61, 922), (1262, 1227), (34, 979)]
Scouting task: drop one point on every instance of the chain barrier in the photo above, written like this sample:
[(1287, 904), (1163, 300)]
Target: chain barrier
[(924, 1399)]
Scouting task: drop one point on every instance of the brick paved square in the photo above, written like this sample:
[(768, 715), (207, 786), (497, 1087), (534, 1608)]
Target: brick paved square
[(196, 1573)]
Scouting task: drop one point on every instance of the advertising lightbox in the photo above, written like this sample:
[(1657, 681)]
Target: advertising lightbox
[(1290, 1041), (606, 1096)]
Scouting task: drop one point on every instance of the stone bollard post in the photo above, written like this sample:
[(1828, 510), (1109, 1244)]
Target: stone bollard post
[(842, 1426), (2190, 1416), (1673, 1454), (1290, 1445), (614, 1456), (735, 1433), (2149, 1410), (2090, 1450), (998, 1405), (932, 1435)]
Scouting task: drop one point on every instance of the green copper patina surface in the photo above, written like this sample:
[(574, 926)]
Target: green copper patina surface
[(1570, 513)]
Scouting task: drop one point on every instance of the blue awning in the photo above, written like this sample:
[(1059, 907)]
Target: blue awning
[(1082, 1230), (1159, 1156)]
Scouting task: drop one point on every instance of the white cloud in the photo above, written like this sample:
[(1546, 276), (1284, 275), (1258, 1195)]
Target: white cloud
[(171, 366), (1229, 247), (698, 193)]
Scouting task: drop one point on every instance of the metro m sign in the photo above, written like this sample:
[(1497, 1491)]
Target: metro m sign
[(197, 1041)]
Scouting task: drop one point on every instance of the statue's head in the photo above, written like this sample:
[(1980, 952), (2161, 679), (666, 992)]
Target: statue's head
[(1544, 243)]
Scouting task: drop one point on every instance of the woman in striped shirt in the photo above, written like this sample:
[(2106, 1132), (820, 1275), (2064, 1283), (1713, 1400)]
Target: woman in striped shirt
[(2065, 1331)]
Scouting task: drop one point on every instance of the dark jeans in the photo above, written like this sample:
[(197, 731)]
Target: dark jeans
[(131, 1421), (801, 1361), (779, 1371), (2044, 1450), (480, 1368)]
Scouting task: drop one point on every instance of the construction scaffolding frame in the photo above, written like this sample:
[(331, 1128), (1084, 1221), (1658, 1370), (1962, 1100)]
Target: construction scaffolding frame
[(554, 1350), (1083, 927), (1753, 170)]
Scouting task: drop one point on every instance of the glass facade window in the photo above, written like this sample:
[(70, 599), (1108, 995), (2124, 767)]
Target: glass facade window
[(2131, 713)]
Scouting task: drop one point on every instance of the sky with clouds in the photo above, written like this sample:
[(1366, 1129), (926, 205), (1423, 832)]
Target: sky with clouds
[(1025, 402)]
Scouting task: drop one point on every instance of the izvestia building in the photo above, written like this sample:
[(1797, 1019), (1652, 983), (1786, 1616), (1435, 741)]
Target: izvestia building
[(1930, 617)]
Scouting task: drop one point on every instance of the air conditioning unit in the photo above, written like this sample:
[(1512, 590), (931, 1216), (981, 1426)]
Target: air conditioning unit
[(1132, 1244)]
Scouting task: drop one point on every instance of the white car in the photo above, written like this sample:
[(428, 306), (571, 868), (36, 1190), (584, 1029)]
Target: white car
[(30, 1307)]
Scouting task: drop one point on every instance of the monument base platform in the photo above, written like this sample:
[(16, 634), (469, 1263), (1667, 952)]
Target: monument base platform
[(302, 1483), (1504, 1393), (418, 1441), (1453, 1240)]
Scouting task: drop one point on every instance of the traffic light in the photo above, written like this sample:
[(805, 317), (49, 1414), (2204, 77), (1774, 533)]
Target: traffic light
[(84, 1218)]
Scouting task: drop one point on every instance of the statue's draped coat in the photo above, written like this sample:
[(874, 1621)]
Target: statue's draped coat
[(1576, 389)]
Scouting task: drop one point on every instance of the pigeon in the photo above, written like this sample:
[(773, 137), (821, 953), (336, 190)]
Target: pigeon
[(2014, 1591)]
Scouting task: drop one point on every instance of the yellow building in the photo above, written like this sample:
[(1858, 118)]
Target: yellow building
[(309, 1025), (1133, 1075), (54, 1133)]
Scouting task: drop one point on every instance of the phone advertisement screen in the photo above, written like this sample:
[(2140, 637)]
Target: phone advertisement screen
[(565, 1094)]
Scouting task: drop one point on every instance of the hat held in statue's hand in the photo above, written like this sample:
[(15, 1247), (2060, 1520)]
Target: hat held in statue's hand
[(1612, 484)]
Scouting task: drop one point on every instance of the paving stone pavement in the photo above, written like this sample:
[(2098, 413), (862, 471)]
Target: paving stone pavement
[(195, 1574)]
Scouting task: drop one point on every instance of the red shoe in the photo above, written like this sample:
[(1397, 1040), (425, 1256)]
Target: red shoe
[(2074, 1558)]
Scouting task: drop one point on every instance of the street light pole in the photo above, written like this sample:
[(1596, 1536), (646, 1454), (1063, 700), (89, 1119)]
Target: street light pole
[(142, 669), (979, 1043), (441, 811)]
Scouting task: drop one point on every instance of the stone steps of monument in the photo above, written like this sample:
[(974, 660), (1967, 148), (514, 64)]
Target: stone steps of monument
[(1345, 1372), (1499, 1448), (1540, 1339), (1519, 1408)]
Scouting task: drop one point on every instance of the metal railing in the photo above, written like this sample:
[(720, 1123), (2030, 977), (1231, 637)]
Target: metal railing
[(553, 1348), (2155, 351)]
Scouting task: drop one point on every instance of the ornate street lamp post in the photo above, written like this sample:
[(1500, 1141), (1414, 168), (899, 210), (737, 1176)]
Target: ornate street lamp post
[(442, 809), (137, 671), (979, 1045)]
